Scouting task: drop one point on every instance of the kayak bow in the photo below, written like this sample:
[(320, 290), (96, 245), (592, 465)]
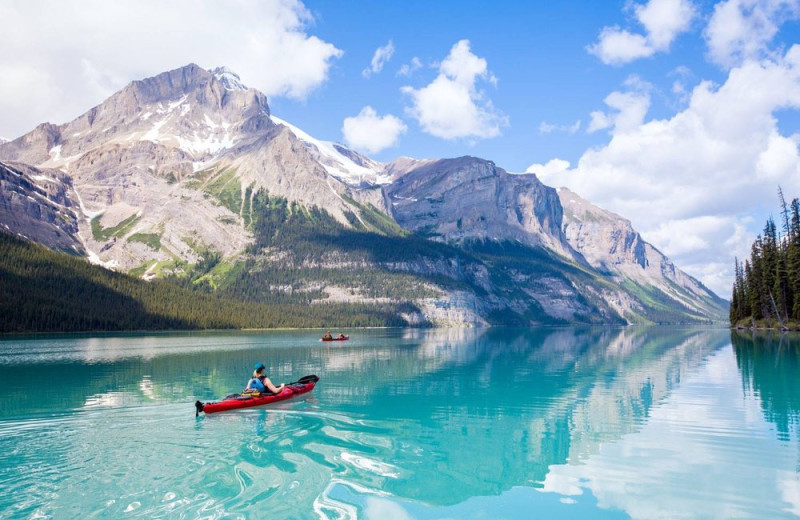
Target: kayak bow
[(235, 401)]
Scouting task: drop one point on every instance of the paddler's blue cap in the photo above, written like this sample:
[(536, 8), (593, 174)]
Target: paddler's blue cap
[(259, 366)]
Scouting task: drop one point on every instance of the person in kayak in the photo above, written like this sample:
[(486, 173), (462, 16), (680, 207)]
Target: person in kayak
[(260, 382), (327, 335)]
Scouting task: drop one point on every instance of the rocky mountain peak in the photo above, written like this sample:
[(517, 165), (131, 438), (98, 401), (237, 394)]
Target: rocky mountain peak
[(229, 79), (169, 85), (468, 197), (190, 109), (218, 88)]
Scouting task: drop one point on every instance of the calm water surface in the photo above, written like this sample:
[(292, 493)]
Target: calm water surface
[(405, 424)]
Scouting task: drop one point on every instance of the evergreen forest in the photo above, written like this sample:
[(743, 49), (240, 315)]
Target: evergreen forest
[(46, 291), (766, 289)]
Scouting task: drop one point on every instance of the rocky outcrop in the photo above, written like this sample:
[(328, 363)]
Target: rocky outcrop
[(609, 243), (471, 198), (40, 205)]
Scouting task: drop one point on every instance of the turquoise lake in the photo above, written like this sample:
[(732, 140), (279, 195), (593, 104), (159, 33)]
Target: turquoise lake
[(405, 424)]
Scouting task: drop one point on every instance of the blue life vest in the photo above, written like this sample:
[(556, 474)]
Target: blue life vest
[(256, 384)]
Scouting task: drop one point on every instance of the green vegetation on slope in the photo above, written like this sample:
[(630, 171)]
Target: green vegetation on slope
[(153, 240), (226, 188), (102, 234), (45, 291), (298, 251)]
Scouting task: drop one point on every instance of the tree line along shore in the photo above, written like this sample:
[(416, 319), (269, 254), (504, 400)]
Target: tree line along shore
[(766, 288)]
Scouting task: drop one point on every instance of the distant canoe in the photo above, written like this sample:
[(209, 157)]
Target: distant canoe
[(335, 339)]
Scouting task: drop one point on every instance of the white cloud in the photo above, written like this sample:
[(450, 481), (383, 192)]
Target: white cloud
[(90, 52), (552, 167), (628, 109), (722, 156), (452, 107), (662, 20), (682, 76), (617, 47), (371, 133), (548, 128), (408, 69), (379, 59), (742, 29)]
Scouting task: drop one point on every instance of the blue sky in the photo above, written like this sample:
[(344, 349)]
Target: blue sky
[(680, 115)]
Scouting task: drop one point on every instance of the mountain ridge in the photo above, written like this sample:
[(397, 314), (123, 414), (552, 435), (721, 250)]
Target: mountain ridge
[(171, 169)]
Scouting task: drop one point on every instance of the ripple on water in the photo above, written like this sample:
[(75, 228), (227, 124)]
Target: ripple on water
[(425, 438)]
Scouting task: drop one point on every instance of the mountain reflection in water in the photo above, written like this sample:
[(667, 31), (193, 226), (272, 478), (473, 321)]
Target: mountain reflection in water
[(468, 423)]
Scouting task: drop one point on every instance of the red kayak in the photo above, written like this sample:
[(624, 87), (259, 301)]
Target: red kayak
[(232, 402), (336, 339)]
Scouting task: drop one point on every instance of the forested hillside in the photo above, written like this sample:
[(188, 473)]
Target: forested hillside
[(46, 291), (766, 291)]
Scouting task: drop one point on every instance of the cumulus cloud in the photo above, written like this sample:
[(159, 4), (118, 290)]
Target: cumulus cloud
[(627, 108), (723, 155), (90, 52), (616, 46), (452, 106), (371, 133), (662, 20), (552, 167), (379, 59), (742, 29)]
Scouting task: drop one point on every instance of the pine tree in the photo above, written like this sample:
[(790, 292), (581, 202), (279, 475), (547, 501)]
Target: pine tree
[(767, 285)]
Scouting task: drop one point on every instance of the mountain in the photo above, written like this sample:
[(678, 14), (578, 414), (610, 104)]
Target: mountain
[(468, 197), (185, 138), (609, 244), (188, 176)]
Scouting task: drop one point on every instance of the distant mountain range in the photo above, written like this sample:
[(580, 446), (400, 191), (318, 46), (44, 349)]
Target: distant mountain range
[(187, 176)]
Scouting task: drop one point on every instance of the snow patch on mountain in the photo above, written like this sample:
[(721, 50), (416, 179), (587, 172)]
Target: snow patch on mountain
[(229, 79), (153, 133), (210, 138), (55, 153), (336, 163), (211, 144)]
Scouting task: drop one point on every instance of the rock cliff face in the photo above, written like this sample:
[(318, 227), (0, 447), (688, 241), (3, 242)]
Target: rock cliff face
[(470, 197), (40, 205), (609, 243), (167, 170)]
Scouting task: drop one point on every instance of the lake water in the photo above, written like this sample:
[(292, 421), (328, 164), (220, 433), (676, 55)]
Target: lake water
[(404, 424)]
